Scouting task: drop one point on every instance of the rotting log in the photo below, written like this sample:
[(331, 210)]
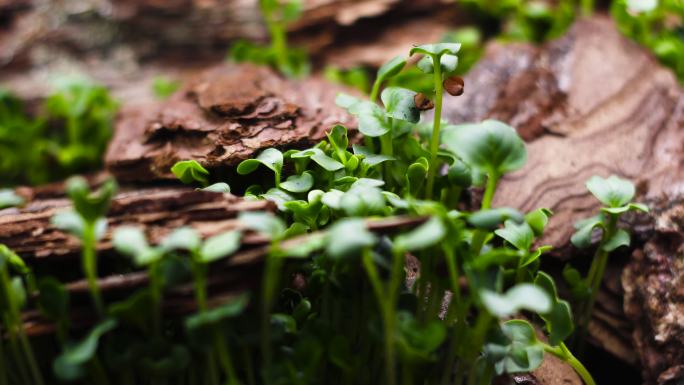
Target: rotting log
[(224, 115)]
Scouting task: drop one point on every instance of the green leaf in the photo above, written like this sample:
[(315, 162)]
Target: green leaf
[(264, 223), (418, 341), (220, 187), (582, 237), (346, 101), (326, 162), (613, 191), (9, 199), (579, 288), (522, 296), (559, 320), (516, 348), (67, 366), (189, 171), (332, 199), (230, 309), (131, 241), (270, 157), (438, 49), (183, 238), (277, 196), (69, 221), (518, 235), (620, 238), (390, 69), (362, 200), (298, 183), (491, 146), (537, 220), (490, 219), (220, 246), (415, 176), (338, 140), (371, 119), (399, 104), (348, 237), (449, 64), (90, 205), (459, 174), (53, 299), (426, 235)]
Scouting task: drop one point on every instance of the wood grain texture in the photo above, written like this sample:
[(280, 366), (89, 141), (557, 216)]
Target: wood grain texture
[(29, 233), (591, 103)]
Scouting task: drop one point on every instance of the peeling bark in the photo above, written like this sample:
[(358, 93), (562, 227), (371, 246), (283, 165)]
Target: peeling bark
[(223, 116)]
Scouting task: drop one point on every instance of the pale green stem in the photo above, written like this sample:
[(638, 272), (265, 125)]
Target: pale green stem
[(564, 354), (89, 261), (437, 120), (375, 91)]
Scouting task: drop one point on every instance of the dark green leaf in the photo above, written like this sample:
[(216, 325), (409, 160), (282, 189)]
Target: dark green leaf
[(53, 299), (67, 365), (229, 309)]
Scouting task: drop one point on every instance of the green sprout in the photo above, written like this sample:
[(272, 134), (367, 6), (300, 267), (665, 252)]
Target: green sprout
[(86, 220), (277, 15), (616, 195)]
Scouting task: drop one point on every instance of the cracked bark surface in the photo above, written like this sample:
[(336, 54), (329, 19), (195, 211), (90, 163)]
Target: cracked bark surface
[(223, 116), (654, 296)]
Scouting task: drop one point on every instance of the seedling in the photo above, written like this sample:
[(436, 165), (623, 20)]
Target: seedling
[(616, 195), (656, 25), (277, 15), (13, 295), (86, 220), (68, 136), (164, 87)]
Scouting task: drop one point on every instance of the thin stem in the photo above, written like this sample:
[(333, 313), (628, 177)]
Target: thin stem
[(437, 120), (30, 358), (490, 189), (269, 285), (375, 91), (224, 356), (4, 380), (564, 354), (89, 262)]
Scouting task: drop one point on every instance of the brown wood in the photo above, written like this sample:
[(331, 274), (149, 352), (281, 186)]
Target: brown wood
[(158, 210), (224, 115)]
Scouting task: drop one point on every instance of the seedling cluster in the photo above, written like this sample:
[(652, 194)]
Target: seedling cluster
[(68, 136), (337, 302)]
